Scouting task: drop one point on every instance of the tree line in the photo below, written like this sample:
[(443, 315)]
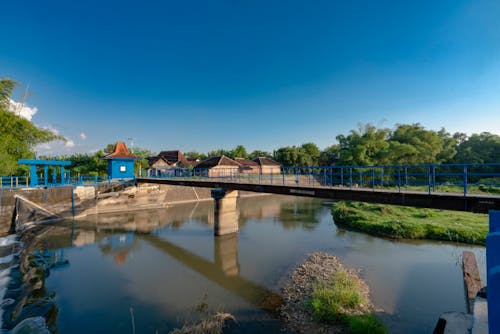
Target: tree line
[(367, 145)]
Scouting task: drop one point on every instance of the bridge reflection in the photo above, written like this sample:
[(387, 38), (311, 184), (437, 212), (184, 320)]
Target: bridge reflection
[(224, 271)]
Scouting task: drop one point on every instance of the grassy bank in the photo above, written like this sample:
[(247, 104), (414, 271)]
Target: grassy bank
[(342, 301), (412, 223)]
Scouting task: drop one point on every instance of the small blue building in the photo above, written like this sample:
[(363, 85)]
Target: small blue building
[(121, 162)]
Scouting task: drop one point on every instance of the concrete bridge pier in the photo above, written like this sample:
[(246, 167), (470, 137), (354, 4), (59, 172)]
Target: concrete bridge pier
[(225, 211)]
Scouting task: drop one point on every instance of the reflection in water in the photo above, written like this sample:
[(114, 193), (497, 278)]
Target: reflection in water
[(226, 254), (162, 261), (249, 291)]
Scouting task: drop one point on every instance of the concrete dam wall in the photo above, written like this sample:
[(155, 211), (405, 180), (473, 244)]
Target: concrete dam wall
[(82, 201)]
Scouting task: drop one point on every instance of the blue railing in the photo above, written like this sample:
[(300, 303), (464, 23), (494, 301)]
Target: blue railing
[(431, 178), (7, 182), (493, 272)]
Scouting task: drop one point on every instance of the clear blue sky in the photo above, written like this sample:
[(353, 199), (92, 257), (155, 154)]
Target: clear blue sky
[(211, 74)]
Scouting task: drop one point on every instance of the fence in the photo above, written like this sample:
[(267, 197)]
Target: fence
[(23, 181), (431, 178)]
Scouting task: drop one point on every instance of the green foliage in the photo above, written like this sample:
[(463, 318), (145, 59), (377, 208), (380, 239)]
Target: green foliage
[(238, 152), (329, 156), (195, 155), (338, 301), (87, 164), (479, 148), (412, 223), (306, 155), (367, 146), (18, 136), (258, 153)]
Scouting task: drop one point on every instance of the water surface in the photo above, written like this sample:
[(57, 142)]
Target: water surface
[(148, 270)]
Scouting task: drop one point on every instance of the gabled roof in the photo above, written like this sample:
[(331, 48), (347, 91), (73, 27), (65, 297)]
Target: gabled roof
[(120, 152), (217, 161), (264, 161), (173, 157), (245, 162), (153, 160)]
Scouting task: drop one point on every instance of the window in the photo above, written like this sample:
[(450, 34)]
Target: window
[(123, 168)]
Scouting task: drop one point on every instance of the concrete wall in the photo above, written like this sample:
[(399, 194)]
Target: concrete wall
[(90, 200)]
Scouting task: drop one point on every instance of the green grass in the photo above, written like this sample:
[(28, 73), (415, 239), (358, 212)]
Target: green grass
[(412, 223), (339, 301)]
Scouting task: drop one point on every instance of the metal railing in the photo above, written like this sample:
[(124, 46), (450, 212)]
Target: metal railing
[(430, 178), (7, 182)]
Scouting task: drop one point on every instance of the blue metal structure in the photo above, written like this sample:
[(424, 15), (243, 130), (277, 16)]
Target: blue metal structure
[(429, 178), (121, 168), (493, 272), (34, 163)]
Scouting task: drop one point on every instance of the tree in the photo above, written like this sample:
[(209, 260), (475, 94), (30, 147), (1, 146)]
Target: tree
[(258, 153), (412, 144), (195, 155), (219, 152), (366, 146), (479, 148), (18, 136), (329, 156), (238, 152), (287, 156)]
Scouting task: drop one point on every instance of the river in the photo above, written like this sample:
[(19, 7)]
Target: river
[(152, 271)]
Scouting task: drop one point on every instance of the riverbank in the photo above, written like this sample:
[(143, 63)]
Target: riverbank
[(322, 296), (400, 222)]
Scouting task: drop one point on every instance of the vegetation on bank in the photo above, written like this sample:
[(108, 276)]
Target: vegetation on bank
[(412, 223), (340, 301)]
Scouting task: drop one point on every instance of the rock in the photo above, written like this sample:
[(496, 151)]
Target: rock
[(31, 326)]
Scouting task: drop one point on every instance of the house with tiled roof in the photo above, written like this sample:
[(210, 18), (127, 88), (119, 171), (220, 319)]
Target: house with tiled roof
[(167, 162), (268, 165), (220, 166), (247, 166), (175, 158)]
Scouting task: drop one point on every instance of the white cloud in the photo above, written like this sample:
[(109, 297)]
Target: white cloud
[(69, 143), (83, 136), (22, 110)]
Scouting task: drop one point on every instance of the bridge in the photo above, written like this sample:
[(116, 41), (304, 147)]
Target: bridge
[(461, 187)]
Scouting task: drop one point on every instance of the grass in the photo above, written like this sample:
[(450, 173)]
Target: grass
[(412, 223), (339, 301)]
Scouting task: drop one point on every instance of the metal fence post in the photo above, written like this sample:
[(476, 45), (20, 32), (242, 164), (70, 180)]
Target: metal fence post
[(429, 179), (350, 178), (433, 177), (399, 178), (373, 178), (331, 177), (381, 177), (406, 178), (465, 180)]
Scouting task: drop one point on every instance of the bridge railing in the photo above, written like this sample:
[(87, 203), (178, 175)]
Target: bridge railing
[(431, 178), (7, 182)]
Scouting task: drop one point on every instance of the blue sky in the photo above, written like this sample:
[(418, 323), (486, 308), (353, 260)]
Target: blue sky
[(265, 74)]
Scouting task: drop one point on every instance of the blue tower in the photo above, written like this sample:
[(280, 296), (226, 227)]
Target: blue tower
[(121, 162)]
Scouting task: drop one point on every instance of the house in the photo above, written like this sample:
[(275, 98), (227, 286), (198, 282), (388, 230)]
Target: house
[(268, 165), (167, 163), (120, 162), (175, 158), (248, 166), (221, 166)]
